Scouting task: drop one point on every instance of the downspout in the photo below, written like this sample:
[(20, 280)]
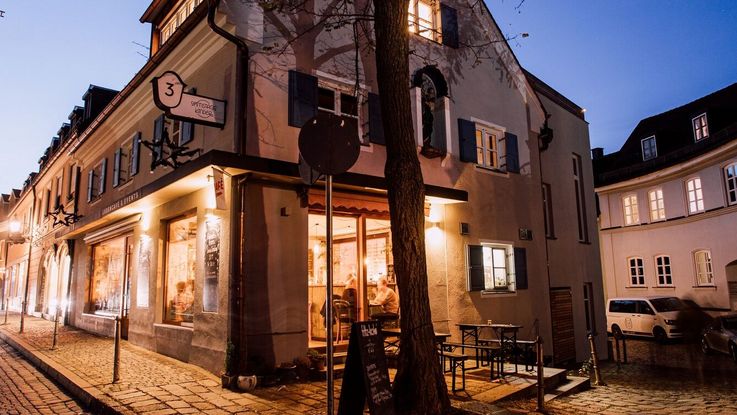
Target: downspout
[(24, 305), (236, 286)]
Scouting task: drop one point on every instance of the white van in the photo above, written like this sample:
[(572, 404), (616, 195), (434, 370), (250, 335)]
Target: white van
[(644, 316)]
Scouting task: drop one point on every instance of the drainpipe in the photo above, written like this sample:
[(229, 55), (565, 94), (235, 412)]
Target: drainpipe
[(236, 280), (24, 305)]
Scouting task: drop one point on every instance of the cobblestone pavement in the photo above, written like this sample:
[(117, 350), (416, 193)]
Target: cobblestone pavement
[(658, 379), (25, 390)]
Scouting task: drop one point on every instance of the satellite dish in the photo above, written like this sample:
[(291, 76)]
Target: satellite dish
[(329, 143)]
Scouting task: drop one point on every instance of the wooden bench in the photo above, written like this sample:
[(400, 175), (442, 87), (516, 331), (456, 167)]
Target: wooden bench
[(456, 360), (492, 353), (522, 347)]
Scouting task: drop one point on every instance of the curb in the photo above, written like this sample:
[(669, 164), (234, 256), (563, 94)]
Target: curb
[(82, 390)]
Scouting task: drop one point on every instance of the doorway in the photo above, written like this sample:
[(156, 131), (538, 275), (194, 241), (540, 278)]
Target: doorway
[(561, 310)]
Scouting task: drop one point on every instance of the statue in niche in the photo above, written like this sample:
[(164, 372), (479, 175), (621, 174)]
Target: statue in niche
[(429, 103)]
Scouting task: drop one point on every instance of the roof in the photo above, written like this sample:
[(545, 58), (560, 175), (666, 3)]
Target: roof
[(546, 90), (674, 137)]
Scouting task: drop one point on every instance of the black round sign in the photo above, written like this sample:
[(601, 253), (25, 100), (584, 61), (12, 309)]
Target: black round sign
[(329, 143)]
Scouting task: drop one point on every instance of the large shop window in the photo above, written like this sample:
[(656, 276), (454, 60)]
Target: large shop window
[(108, 273), (180, 270)]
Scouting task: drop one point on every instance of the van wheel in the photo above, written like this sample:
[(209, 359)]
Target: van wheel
[(660, 335), (617, 332), (733, 351)]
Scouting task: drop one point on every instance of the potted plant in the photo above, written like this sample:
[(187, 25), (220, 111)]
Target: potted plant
[(317, 358), (229, 378), (303, 364)]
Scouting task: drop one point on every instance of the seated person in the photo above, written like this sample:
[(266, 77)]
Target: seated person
[(350, 294), (388, 300)]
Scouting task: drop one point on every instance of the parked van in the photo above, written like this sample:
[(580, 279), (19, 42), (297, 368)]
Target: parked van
[(644, 316)]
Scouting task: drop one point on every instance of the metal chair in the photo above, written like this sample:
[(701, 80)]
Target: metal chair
[(343, 316)]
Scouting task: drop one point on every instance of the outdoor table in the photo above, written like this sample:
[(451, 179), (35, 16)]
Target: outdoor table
[(506, 333), (392, 335)]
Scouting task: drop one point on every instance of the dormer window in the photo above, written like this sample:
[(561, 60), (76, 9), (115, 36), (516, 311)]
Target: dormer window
[(649, 148), (176, 19), (700, 127)]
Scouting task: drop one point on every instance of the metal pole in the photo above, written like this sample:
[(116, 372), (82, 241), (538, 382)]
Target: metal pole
[(56, 328), (624, 349), (595, 362), (540, 376), (329, 287), (116, 354)]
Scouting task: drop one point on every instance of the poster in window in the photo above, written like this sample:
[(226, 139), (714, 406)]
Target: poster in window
[(144, 268), (212, 265)]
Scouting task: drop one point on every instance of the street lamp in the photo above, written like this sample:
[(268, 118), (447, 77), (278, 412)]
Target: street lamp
[(14, 227)]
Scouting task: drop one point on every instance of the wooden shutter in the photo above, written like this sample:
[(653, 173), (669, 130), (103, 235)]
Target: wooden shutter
[(512, 156), (449, 25), (376, 126), (520, 268), (302, 98), (90, 185), (475, 268), (467, 140), (116, 167), (135, 155), (186, 133), (103, 176), (157, 148)]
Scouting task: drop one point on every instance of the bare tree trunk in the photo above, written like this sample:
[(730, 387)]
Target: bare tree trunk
[(419, 387)]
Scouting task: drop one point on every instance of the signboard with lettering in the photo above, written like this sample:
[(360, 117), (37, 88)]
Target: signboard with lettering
[(212, 265), (366, 375), (170, 97), (219, 186)]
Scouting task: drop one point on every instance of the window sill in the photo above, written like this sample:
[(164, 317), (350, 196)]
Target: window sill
[(641, 287), (491, 170), (708, 287), (102, 316), (671, 287), (585, 242), (498, 293), (173, 326), (124, 184)]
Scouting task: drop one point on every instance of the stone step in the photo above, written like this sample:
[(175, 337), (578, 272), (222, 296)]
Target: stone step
[(573, 384)]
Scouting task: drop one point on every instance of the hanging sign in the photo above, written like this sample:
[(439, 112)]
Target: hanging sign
[(170, 97), (218, 183)]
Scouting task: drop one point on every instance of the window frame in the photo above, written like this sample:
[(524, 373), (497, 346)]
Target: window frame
[(487, 131), (664, 270), (175, 19), (697, 199), (630, 202), (126, 239), (339, 89), (702, 129), (708, 265), (414, 21), (731, 194), (580, 192), (654, 148), (167, 240), (657, 214), (636, 279)]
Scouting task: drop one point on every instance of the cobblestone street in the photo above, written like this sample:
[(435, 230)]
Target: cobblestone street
[(25, 390), (658, 379)]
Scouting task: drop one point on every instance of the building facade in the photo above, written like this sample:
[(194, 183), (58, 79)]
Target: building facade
[(191, 261), (667, 201)]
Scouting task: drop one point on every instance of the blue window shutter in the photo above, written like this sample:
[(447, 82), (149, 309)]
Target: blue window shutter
[(467, 140), (116, 167), (135, 154), (103, 176), (158, 149), (512, 156), (376, 127), (302, 98), (520, 268), (186, 133), (475, 268), (90, 185), (449, 25)]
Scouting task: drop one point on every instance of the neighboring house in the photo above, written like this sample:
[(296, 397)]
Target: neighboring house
[(668, 202), (187, 273)]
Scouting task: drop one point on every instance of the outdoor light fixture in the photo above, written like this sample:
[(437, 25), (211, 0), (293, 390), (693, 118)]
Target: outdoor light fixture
[(435, 215), (14, 226)]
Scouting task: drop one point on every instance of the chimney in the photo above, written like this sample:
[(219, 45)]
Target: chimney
[(597, 153)]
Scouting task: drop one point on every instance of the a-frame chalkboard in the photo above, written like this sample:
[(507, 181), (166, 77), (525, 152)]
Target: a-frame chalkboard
[(366, 373)]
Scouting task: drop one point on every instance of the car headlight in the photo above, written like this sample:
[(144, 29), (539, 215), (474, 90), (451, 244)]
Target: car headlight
[(670, 322)]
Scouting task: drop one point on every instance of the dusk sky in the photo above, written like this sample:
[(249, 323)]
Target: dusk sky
[(621, 60)]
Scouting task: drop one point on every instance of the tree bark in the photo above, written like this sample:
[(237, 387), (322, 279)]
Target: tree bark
[(419, 386)]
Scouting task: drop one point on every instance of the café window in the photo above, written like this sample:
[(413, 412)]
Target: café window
[(108, 273), (181, 252)]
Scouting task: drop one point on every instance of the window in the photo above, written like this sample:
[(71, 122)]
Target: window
[(662, 268), (704, 272), (631, 214), (649, 148), (337, 102), (657, 206), (121, 164), (623, 306), (487, 146), (548, 211), (492, 267), (180, 270), (637, 272), (583, 231), (588, 306), (695, 195), (108, 274), (730, 181), (72, 181), (57, 191), (177, 19), (423, 19), (700, 127), (96, 180)]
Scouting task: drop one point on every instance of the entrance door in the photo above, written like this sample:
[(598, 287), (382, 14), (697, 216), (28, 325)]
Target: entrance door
[(561, 310)]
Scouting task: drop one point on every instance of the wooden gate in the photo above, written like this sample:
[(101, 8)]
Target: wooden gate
[(561, 310)]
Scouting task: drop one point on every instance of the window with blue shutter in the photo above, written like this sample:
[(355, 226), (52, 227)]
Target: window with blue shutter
[(512, 156), (90, 185), (520, 268), (103, 176), (475, 268), (302, 98), (157, 150), (467, 140), (376, 127), (449, 25), (186, 133), (135, 154), (116, 167)]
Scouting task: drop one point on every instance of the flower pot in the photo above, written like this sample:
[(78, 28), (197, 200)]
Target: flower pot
[(247, 383), (228, 381)]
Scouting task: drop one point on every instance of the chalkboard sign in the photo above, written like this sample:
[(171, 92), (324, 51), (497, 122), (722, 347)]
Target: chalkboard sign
[(366, 373), (212, 265)]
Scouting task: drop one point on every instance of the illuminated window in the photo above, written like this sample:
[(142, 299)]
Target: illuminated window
[(108, 272), (704, 271), (487, 147), (631, 214), (657, 206), (700, 127), (180, 270), (423, 19), (695, 195)]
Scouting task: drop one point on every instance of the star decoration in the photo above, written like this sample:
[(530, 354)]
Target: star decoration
[(170, 152), (62, 217)]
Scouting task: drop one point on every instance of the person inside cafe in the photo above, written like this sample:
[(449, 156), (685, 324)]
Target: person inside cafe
[(388, 300), (350, 294)]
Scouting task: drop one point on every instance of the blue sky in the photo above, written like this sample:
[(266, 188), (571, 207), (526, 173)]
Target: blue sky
[(622, 60)]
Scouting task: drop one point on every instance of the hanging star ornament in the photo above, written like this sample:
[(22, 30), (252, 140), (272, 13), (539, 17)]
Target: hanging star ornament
[(62, 217), (169, 152)]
